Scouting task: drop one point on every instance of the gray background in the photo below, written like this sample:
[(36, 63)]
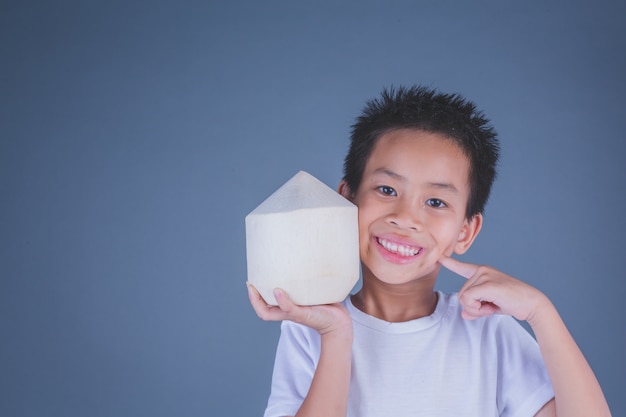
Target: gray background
[(135, 137)]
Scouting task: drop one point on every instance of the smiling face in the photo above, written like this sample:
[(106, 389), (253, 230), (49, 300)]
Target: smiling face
[(412, 201)]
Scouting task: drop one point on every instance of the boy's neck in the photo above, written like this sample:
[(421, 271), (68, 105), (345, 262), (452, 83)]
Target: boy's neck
[(393, 304)]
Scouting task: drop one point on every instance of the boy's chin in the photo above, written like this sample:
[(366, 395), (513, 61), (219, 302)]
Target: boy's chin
[(400, 275)]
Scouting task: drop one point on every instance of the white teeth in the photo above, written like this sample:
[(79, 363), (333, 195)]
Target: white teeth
[(401, 249)]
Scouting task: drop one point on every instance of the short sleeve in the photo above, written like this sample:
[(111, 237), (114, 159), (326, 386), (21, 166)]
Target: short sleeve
[(524, 385), (296, 359)]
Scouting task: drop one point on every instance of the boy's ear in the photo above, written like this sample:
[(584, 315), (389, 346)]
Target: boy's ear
[(468, 233), (344, 190)]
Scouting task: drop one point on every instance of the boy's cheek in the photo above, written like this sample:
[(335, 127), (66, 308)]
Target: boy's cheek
[(448, 250)]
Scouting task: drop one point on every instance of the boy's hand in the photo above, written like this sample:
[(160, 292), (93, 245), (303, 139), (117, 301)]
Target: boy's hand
[(323, 318), (488, 291)]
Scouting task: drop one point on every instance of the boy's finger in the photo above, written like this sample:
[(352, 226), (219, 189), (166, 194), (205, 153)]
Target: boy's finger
[(283, 300), (466, 270), (263, 310)]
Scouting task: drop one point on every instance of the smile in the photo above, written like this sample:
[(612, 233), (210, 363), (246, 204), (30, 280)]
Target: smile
[(402, 250)]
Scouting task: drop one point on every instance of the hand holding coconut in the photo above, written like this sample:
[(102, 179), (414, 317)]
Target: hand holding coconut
[(323, 318)]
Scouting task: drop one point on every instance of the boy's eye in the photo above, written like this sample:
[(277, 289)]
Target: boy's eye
[(387, 190), (435, 203)]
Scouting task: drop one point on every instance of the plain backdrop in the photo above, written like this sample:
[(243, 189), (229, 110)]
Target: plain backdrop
[(136, 135)]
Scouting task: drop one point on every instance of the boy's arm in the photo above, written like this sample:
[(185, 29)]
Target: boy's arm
[(328, 393), (489, 291), (576, 390)]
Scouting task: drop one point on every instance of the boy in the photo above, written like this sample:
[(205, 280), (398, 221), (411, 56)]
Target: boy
[(420, 168)]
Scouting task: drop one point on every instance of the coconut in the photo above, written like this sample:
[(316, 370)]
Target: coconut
[(303, 239)]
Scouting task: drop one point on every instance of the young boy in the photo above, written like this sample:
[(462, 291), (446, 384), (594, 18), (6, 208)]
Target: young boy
[(420, 169)]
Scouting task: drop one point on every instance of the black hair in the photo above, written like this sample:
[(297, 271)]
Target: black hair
[(422, 108)]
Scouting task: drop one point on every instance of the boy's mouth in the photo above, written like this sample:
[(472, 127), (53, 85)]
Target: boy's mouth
[(398, 248)]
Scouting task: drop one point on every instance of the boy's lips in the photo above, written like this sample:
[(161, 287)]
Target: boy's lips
[(396, 250)]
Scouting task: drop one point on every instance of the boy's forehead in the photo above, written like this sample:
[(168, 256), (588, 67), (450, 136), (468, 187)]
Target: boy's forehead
[(400, 151), (415, 142)]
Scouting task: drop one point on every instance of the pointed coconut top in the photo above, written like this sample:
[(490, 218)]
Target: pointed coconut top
[(302, 191)]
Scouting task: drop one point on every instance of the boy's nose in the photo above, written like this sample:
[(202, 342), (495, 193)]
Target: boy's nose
[(407, 216)]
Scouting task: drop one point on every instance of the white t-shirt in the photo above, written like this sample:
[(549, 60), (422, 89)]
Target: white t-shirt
[(440, 365)]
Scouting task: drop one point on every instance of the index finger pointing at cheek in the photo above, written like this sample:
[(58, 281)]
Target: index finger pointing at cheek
[(462, 268)]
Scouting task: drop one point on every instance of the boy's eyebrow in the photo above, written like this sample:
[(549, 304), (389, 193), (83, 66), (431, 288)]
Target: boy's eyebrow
[(389, 173), (438, 185), (444, 186)]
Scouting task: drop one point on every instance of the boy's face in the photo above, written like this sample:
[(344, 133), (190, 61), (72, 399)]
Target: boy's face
[(412, 201)]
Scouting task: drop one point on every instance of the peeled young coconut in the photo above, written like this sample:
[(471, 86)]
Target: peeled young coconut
[(303, 239)]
